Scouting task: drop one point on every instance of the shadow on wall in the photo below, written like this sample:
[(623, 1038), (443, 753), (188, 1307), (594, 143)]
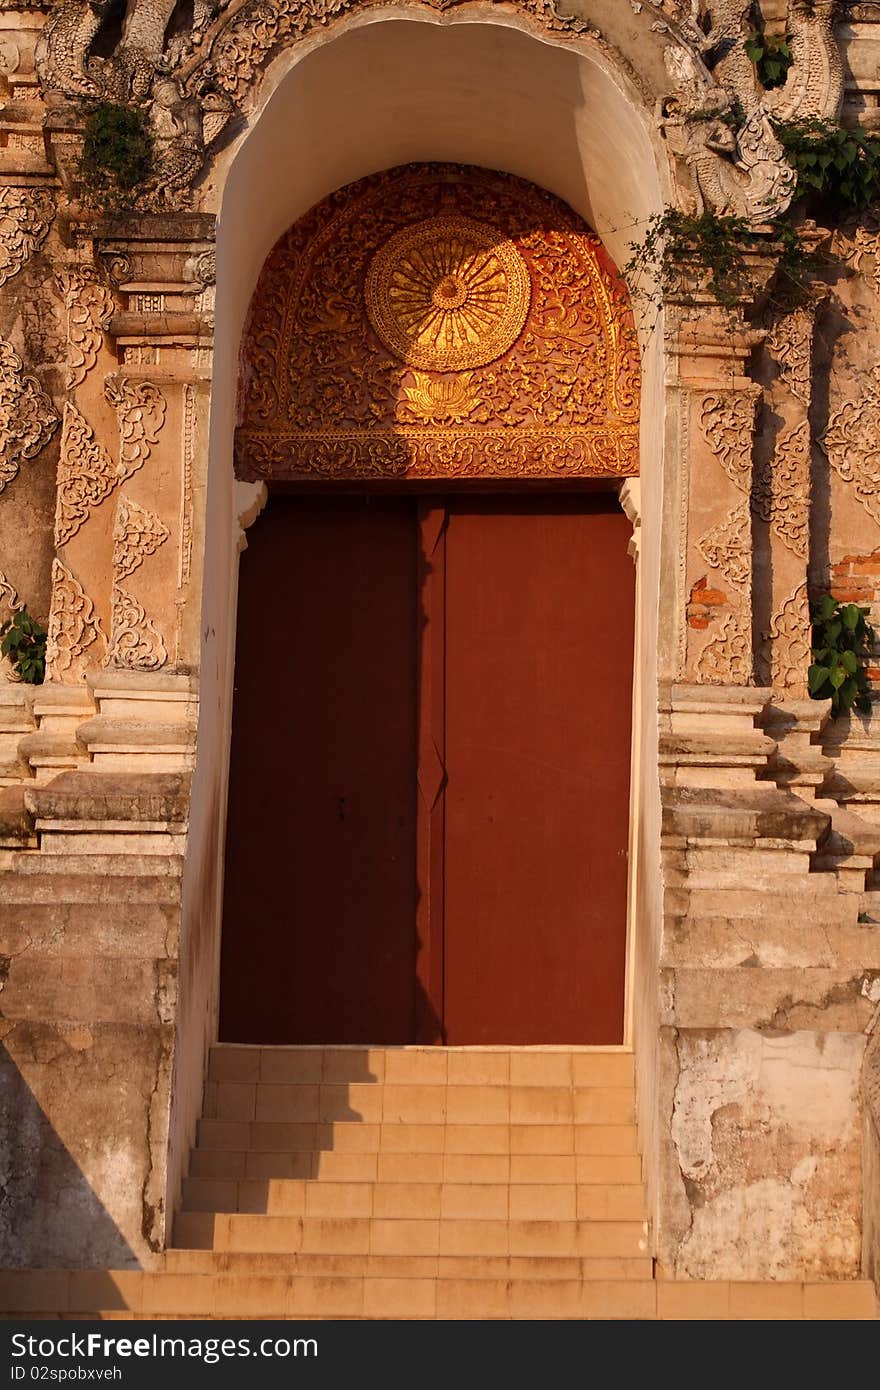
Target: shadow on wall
[(47, 1204)]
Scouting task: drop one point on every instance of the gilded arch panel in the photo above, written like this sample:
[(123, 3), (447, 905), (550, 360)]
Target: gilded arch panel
[(439, 321)]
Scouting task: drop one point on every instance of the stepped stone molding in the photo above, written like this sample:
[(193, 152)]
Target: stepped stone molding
[(25, 218), (74, 625), (727, 421), (790, 637), (136, 644), (86, 474), (137, 534), (89, 307), (28, 419), (781, 490), (852, 444)]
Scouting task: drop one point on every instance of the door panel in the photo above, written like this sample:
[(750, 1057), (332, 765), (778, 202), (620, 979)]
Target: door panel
[(319, 934), (539, 640)]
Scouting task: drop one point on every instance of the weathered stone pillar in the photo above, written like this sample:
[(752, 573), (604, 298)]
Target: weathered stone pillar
[(781, 498), (127, 516), (716, 408), (91, 1016)]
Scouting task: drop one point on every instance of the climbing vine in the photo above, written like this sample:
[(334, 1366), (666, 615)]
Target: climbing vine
[(837, 167), (675, 241), (771, 56)]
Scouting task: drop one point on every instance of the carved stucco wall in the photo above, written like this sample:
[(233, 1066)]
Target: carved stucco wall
[(450, 87)]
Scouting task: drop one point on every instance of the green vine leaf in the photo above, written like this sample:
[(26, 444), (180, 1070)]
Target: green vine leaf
[(842, 644), (23, 640)]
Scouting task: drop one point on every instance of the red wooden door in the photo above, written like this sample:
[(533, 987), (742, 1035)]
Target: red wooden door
[(318, 935), (539, 602), (429, 787)]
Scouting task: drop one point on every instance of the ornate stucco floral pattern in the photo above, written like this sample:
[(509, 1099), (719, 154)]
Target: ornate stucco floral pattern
[(74, 625), (852, 443), (137, 534), (136, 644), (86, 474), (25, 218), (28, 419)]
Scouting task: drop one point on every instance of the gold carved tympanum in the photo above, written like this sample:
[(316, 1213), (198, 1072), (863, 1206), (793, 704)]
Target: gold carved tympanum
[(438, 321)]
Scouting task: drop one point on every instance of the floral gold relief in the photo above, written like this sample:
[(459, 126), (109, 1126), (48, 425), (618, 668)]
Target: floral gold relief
[(438, 321)]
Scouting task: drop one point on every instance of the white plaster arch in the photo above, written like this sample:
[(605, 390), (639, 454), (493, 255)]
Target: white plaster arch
[(385, 89)]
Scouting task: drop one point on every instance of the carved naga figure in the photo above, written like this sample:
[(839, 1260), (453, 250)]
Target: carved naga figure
[(138, 70), (67, 66), (718, 123), (62, 51)]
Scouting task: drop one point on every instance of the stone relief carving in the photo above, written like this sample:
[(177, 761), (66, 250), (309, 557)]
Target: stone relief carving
[(86, 474), (137, 534), (205, 268), (193, 77), (136, 644), (140, 409), (89, 307), (25, 218), (852, 444), (717, 121), (727, 547), (727, 422), (781, 489), (117, 265), (74, 626), (857, 241), (790, 342), (28, 419), (727, 657), (789, 638)]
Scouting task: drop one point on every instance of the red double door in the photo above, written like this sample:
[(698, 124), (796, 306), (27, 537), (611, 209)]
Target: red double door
[(429, 787)]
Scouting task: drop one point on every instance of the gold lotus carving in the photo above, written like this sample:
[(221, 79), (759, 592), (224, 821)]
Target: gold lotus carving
[(448, 294), (434, 400)]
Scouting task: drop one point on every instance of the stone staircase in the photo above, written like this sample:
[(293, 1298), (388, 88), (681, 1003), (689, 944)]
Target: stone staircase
[(415, 1183)]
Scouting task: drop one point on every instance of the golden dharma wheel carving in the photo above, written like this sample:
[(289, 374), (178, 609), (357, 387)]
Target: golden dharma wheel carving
[(448, 294)]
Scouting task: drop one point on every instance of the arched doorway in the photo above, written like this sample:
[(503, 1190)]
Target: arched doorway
[(429, 787)]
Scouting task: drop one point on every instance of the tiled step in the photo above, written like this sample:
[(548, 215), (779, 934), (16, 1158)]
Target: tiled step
[(418, 1104), (409, 1236), (422, 1066), (232, 1295), (484, 1200), (603, 1140), (328, 1166), (614, 1268)]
